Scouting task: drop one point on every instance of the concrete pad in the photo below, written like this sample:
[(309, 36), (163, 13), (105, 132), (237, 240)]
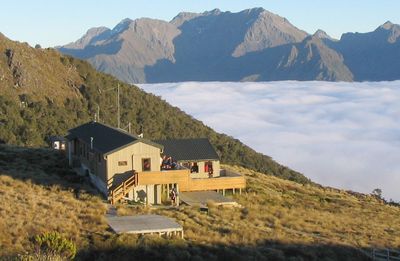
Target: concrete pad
[(143, 224), (200, 198)]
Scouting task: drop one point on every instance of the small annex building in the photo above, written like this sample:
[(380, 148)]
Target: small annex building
[(57, 142), (124, 166), (197, 155)]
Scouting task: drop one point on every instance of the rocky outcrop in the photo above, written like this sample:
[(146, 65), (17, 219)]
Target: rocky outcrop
[(268, 30), (313, 60), (15, 67)]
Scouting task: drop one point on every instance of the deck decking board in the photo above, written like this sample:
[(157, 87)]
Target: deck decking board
[(201, 198), (144, 224)]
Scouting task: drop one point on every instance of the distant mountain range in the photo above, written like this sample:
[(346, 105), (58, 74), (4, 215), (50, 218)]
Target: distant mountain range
[(252, 45)]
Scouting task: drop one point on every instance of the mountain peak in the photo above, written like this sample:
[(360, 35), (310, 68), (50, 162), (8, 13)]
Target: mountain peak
[(123, 25), (392, 31), (215, 11), (387, 26), (321, 34), (183, 17), (255, 10), (90, 37), (126, 20), (97, 30)]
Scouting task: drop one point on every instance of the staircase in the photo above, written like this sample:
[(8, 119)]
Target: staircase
[(124, 188)]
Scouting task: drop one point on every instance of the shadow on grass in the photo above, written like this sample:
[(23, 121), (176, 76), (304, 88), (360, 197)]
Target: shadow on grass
[(151, 248), (42, 166)]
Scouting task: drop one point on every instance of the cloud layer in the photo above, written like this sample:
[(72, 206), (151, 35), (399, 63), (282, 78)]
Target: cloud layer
[(344, 135)]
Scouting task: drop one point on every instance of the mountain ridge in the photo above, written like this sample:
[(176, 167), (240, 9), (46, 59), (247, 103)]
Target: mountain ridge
[(206, 46)]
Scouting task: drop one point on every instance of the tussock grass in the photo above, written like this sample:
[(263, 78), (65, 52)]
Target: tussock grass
[(36, 197), (278, 219), (291, 213)]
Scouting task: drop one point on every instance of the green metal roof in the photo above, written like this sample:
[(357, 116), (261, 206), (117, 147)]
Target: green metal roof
[(189, 149), (106, 139)]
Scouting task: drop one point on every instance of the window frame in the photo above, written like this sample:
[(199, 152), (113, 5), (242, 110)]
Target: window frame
[(143, 164), (194, 168)]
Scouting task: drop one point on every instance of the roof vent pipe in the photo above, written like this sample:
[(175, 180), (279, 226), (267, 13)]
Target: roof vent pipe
[(141, 132)]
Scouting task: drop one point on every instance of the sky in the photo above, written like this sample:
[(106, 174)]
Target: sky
[(344, 135), (57, 22)]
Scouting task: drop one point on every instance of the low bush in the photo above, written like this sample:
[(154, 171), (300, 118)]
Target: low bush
[(54, 244)]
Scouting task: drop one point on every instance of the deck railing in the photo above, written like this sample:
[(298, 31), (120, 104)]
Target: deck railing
[(228, 182), (164, 177), (385, 254), (187, 183)]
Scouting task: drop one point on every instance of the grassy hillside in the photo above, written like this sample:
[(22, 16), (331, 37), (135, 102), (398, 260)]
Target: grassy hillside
[(39, 194), (277, 210), (45, 93), (279, 219)]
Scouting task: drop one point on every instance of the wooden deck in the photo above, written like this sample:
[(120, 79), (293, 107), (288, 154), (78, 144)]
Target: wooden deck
[(145, 224), (186, 183), (201, 198), (218, 183), (180, 177)]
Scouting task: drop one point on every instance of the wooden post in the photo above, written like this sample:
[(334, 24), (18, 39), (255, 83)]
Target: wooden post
[(233, 190), (147, 196), (223, 192), (112, 197), (164, 190), (177, 193), (70, 160), (240, 191)]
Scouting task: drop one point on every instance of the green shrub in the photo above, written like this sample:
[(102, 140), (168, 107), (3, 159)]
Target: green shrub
[(54, 243)]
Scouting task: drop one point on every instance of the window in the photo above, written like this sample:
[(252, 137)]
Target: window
[(146, 164), (194, 168), (122, 163), (186, 165)]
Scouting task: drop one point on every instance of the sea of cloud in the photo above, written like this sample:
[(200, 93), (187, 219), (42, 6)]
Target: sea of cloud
[(344, 135)]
